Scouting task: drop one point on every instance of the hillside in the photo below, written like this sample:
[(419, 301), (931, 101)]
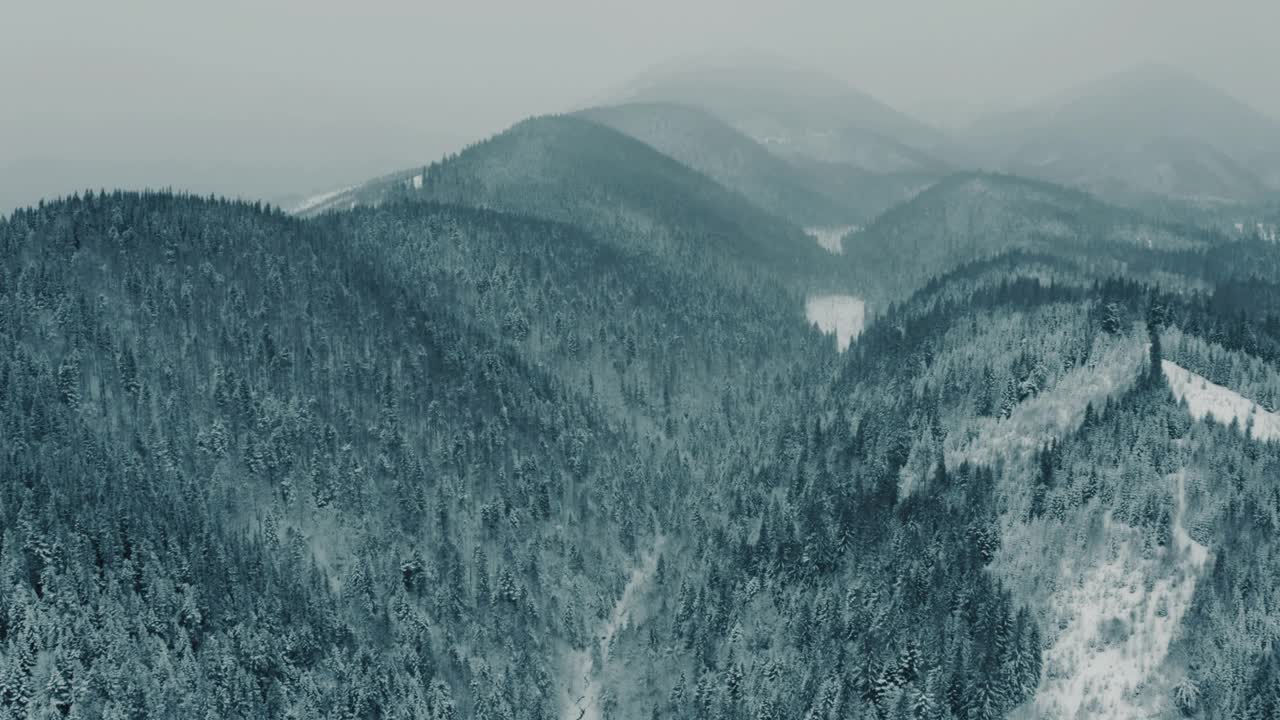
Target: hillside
[(702, 142), (973, 216), (1152, 130), (723, 390), (580, 424), (1116, 505), (249, 464), (404, 423), (476, 461), (617, 325), (794, 110), (807, 192), (619, 189)]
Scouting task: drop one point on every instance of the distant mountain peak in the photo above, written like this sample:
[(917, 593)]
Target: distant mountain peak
[(1159, 82), (793, 109), (1151, 129)]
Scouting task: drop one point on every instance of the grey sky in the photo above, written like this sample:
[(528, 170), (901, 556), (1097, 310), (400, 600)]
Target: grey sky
[(271, 97)]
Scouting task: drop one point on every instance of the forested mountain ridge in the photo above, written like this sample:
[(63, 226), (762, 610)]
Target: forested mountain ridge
[(541, 431), (979, 215), (1020, 373), (197, 343), (620, 326), (701, 141), (274, 432), (794, 110), (623, 191), (1152, 130), (807, 192)]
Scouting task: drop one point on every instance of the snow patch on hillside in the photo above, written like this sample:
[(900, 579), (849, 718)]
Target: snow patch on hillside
[(316, 201), (842, 315), (1269, 232), (831, 238), (1115, 616), (1206, 399), (1112, 368), (1111, 613), (585, 686)]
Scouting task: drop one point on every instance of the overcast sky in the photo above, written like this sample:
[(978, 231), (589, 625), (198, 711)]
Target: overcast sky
[(265, 98)]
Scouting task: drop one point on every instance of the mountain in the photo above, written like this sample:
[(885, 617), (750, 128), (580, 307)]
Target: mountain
[(1183, 169), (807, 192), (405, 425), (622, 190), (262, 461), (793, 110), (459, 461), (284, 466), (870, 193), (972, 216), (546, 430), (1064, 381), (1152, 130)]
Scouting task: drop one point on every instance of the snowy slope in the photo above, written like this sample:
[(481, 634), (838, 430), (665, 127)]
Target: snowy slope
[(1116, 613), (316, 201), (1207, 399), (1111, 612), (1054, 412), (587, 668)]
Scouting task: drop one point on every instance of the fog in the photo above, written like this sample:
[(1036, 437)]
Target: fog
[(284, 98)]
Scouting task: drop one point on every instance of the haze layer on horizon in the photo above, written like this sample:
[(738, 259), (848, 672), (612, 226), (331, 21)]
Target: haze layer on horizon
[(273, 100)]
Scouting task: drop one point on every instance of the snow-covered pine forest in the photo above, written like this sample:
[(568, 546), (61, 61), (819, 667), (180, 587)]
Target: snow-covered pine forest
[(581, 423)]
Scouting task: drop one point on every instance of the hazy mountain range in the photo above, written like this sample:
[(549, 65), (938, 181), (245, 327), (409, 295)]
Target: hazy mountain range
[(1151, 130), (840, 157)]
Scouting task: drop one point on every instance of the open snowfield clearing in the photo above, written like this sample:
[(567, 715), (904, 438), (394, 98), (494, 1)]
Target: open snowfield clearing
[(1115, 614), (1111, 613), (1207, 399), (841, 315), (830, 238)]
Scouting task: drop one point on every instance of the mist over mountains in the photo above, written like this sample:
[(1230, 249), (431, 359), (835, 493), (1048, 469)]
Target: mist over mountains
[(839, 157), (733, 393), (1152, 130)]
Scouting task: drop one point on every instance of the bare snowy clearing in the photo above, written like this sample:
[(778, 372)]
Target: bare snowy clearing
[(1111, 613), (1116, 613), (1206, 399)]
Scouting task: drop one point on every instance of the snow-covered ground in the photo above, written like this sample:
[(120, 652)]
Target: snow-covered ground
[(316, 201), (1053, 413), (1111, 613), (830, 238), (1115, 616), (1267, 231), (842, 315), (1207, 399), (583, 691)]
